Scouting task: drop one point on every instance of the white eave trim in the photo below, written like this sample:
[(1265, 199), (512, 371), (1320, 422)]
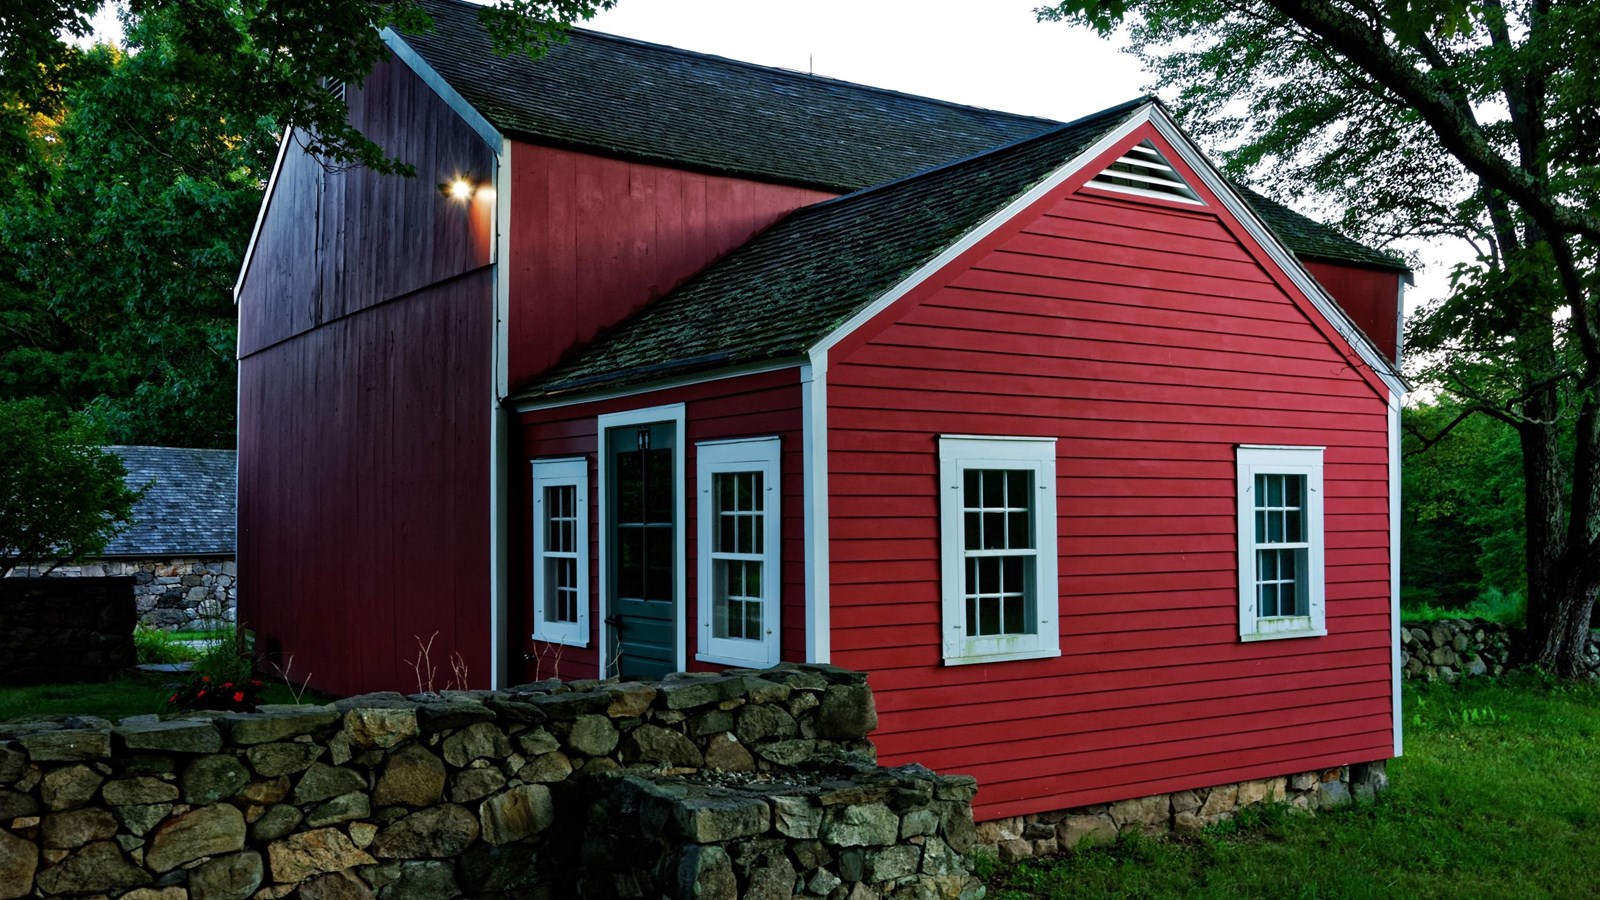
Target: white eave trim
[(556, 401), (1281, 255), (987, 227), (1395, 401), (261, 213), (452, 98)]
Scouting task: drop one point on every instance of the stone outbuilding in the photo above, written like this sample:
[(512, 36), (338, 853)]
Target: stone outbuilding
[(180, 548)]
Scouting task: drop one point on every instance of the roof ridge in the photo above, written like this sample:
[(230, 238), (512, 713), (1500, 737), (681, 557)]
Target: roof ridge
[(932, 171), (780, 70)]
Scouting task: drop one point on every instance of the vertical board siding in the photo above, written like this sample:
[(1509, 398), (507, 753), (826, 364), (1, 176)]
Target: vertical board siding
[(594, 239), (758, 405), (365, 325), (1370, 298), (1148, 340), (338, 241), (363, 491)]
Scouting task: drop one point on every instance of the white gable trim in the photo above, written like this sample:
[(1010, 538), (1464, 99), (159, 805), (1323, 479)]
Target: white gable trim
[(261, 214), (431, 77), (1281, 255), (986, 228)]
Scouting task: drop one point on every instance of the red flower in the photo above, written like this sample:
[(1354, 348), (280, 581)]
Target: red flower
[(173, 699), (205, 678), (238, 696), (202, 693)]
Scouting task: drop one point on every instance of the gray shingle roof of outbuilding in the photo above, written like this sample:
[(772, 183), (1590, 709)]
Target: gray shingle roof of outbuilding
[(188, 506)]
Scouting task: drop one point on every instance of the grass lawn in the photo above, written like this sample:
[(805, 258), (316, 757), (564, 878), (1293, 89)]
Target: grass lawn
[(130, 695), (1498, 795)]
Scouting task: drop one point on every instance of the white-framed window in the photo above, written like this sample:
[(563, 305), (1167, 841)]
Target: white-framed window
[(997, 527), (739, 536), (1281, 590), (561, 551)]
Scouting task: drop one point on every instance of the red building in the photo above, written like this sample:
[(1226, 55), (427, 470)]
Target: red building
[(1048, 427)]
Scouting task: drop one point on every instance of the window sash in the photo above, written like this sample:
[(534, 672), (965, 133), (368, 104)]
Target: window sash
[(1281, 542), (561, 551), (739, 539), (999, 546)]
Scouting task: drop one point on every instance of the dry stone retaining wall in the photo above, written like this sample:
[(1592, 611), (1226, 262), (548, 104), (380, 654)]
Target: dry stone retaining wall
[(187, 593), (749, 783), (1451, 649)]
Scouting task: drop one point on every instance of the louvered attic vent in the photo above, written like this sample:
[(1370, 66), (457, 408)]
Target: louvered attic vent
[(1145, 172)]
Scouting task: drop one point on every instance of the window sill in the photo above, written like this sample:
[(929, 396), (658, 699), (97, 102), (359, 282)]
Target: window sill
[(565, 641), (734, 661), (1280, 635), (980, 658)]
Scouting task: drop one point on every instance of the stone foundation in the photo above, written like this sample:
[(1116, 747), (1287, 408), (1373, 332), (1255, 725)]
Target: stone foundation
[(182, 594), (1043, 834), (752, 783), (64, 630)]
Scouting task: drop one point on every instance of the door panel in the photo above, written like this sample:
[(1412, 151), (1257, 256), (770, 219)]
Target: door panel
[(642, 546)]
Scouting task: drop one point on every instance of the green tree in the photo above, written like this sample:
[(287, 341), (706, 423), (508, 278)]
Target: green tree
[(1462, 534), (62, 497), (271, 58), (1430, 119), (131, 180)]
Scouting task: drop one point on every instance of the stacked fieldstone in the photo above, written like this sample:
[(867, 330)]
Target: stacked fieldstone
[(1043, 834), (854, 831), (183, 594), (1451, 649), (481, 794)]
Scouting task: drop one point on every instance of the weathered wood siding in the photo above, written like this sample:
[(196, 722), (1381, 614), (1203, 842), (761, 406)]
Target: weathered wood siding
[(1149, 339), (594, 239), (757, 405), (366, 322)]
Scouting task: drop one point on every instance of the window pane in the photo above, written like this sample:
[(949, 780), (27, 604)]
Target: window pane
[(1019, 528), (658, 485), (1013, 616), (1019, 485), (657, 564), (630, 562), (994, 531), (988, 617), (988, 575)]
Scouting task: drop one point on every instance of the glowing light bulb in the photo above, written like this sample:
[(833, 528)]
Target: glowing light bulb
[(461, 189)]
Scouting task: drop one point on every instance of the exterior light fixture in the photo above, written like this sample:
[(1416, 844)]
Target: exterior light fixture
[(458, 189)]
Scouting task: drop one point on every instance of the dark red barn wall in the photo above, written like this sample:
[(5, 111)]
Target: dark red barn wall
[(594, 239), (1370, 297), (758, 405), (1150, 342), (366, 321)]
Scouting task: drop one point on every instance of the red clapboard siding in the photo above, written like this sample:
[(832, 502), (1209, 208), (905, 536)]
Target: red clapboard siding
[(366, 321), (1151, 342), (747, 406), (594, 239)]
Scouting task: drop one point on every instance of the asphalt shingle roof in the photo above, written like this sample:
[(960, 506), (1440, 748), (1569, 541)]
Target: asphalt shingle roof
[(188, 506), (1310, 239), (794, 283), (658, 103), (662, 104)]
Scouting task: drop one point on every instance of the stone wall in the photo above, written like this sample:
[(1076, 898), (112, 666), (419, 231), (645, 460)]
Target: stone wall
[(186, 593), (1450, 649), (65, 630), (1182, 812), (752, 783)]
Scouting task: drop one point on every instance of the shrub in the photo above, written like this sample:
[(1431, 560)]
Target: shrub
[(206, 693)]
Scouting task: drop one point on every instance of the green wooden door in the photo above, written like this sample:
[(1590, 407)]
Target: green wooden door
[(642, 549)]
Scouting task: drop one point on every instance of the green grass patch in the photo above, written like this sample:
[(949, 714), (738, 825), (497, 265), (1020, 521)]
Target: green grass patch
[(1498, 796), (132, 694), (152, 645)]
